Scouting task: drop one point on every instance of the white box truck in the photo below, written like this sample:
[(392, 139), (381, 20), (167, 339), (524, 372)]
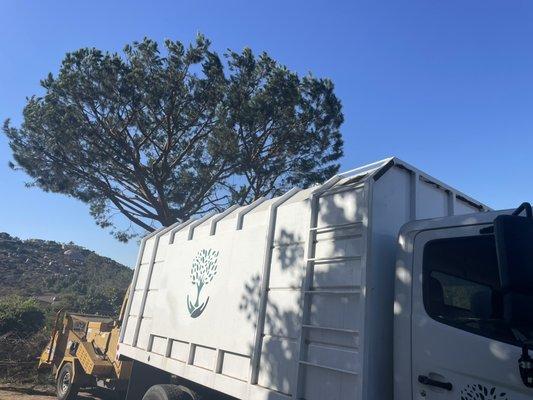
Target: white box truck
[(320, 294)]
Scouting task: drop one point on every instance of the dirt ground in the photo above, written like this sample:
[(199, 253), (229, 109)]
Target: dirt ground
[(42, 393)]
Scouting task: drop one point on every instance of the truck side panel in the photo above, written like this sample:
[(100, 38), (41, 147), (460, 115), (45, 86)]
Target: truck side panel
[(221, 339)]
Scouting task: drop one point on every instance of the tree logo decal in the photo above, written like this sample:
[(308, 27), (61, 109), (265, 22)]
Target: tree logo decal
[(480, 392), (203, 270)]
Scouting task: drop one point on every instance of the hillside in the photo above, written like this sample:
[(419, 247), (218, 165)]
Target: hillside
[(61, 275)]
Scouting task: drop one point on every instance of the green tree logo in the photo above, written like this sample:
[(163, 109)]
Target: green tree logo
[(203, 270), (481, 392)]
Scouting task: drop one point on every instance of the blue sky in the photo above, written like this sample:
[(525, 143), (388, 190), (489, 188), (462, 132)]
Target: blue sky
[(445, 85)]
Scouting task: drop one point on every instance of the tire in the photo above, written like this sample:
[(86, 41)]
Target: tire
[(65, 388), (170, 392)]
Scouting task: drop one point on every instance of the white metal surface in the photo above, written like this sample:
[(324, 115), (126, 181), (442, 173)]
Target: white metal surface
[(423, 346), (300, 304)]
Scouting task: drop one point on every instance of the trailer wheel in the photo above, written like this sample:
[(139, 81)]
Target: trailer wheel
[(66, 388), (170, 392)]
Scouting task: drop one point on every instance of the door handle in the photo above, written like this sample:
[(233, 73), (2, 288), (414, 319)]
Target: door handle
[(424, 380)]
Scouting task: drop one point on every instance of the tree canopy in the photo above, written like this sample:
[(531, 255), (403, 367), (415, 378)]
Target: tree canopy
[(162, 136)]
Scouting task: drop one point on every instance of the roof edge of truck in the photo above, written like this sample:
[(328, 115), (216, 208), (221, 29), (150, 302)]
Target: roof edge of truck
[(478, 218), (374, 171)]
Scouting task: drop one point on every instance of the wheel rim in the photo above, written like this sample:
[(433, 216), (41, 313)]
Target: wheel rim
[(65, 383)]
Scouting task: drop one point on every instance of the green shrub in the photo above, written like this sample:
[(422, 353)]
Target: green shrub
[(20, 315)]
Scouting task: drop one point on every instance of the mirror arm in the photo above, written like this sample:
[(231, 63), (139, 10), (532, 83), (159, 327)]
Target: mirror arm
[(524, 206)]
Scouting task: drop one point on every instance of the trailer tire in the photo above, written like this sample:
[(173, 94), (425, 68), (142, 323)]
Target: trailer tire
[(170, 392), (65, 387)]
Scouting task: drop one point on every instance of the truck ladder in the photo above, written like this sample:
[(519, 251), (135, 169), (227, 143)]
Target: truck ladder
[(308, 292)]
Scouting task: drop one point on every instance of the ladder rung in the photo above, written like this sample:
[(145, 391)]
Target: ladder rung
[(326, 328), (332, 259), (341, 237), (343, 371), (333, 292), (322, 229)]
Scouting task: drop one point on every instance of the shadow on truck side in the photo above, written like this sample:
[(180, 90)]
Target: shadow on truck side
[(281, 333)]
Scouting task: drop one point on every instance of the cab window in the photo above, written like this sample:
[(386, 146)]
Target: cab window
[(460, 285)]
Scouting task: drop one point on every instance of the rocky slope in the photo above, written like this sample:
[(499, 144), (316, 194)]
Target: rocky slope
[(61, 274)]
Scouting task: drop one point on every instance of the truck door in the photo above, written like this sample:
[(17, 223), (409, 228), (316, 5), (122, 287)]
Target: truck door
[(460, 349)]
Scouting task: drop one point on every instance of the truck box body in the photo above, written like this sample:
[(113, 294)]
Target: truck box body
[(289, 297)]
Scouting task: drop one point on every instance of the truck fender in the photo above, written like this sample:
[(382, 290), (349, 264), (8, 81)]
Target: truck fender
[(76, 367)]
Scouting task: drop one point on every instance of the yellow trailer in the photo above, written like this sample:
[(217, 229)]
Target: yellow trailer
[(82, 354)]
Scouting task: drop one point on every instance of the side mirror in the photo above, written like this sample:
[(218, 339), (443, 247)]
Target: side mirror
[(514, 248)]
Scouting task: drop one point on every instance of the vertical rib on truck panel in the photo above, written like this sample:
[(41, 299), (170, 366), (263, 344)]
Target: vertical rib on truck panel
[(265, 280), (286, 298)]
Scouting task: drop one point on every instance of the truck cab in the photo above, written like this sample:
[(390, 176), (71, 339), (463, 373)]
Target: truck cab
[(463, 308)]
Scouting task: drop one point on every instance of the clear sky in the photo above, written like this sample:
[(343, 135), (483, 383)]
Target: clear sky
[(446, 85)]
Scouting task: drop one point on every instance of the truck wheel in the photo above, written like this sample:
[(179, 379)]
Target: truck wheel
[(66, 389), (170, 392)]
